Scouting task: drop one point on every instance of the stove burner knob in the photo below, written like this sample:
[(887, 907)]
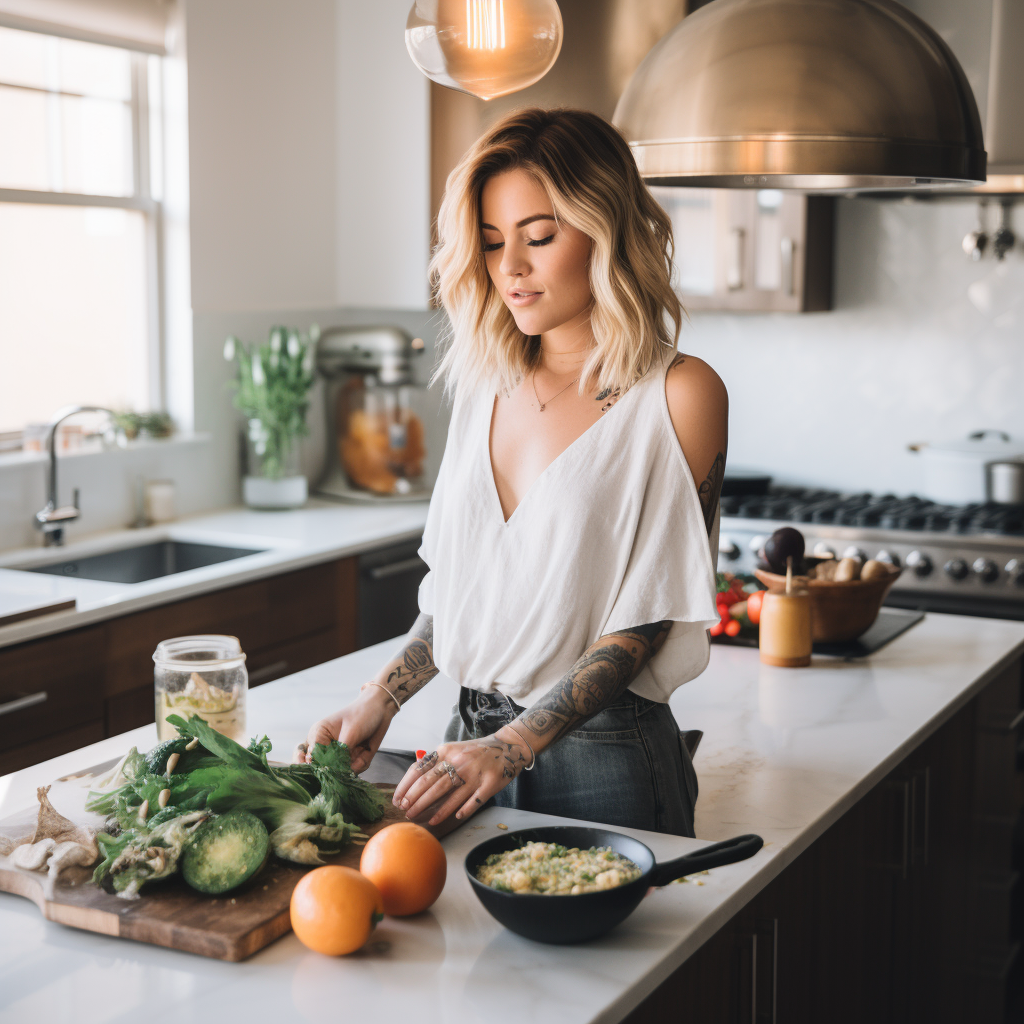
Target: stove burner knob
[(729, 548), (855, 552), (758, 542), (1015, 570), (889, 558), (822, 550), (921, 564), (986, 570), (956, 568)]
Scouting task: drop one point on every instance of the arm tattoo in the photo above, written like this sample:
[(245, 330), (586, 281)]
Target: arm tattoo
[(413, 667), (711, 490), (599, 677)]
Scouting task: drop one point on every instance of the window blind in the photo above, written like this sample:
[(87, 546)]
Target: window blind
[(134, 24)]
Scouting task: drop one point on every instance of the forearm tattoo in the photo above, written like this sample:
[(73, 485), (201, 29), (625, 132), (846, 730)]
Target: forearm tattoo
[(414, 665), (599, 677), (711, 490)]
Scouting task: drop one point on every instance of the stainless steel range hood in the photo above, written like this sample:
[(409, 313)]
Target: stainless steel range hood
[(819, 95)]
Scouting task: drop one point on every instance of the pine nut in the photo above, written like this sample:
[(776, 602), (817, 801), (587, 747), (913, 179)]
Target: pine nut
[(165, 795), (192, 743), (144, 810), (172, 762)]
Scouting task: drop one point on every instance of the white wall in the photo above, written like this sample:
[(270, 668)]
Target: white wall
[(834, 398)]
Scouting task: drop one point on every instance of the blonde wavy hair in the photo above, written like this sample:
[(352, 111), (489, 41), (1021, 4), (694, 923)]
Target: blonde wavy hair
[(591, 179)]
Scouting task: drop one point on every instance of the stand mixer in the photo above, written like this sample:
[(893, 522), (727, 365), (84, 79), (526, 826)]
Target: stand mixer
[(375, 415)]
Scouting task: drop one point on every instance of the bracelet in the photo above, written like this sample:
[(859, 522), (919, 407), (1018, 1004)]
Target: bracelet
[(529, 767), (381, 686)]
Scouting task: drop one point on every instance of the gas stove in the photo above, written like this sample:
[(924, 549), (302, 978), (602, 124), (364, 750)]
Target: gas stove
[(966, 559)]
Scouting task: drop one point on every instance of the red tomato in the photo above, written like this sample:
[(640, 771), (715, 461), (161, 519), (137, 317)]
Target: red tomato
[(754, 603), (732, 627), (717, 629)]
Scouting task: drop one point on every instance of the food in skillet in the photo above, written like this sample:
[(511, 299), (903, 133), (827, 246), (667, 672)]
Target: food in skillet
[(555, 870)]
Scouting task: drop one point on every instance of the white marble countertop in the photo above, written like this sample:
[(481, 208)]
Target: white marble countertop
[(286, 540), (785, 753)]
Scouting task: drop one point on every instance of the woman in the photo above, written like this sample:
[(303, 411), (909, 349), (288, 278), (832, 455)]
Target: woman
[(571, 581)]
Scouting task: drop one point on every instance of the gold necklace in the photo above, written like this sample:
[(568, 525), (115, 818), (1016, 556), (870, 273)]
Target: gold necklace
[(533, 378)]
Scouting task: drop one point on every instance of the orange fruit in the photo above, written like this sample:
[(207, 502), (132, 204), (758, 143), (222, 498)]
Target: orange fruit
[(407, 864), (334, 909)]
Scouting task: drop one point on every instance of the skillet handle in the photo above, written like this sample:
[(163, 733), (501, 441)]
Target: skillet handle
[(729, 851)]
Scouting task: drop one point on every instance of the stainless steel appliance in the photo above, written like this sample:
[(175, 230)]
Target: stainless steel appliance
[(964, 559), (375, 417)]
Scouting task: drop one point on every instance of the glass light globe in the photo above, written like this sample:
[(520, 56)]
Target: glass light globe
[(486, 48)]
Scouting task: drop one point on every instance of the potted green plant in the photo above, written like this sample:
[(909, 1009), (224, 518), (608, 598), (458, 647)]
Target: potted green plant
[(272, 392)]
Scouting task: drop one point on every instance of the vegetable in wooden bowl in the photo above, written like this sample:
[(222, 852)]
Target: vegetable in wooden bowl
[(841, 608)]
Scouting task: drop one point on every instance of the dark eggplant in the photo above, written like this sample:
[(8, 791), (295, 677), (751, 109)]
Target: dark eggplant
[(783, 544)]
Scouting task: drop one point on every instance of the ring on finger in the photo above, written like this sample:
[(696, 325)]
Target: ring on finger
[(457, 779), (426, 761)]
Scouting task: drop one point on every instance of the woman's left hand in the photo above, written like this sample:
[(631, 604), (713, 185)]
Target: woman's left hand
[(478, 769)]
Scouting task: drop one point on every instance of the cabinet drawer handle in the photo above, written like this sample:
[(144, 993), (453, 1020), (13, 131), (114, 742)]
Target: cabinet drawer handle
[(23, 702), (267, 670), (382, 572), (1016, 722)]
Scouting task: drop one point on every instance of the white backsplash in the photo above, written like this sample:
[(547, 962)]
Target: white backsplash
[(833, 399)]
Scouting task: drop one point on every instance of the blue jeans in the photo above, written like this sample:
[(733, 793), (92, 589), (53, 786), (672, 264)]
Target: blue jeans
[(626, 766)]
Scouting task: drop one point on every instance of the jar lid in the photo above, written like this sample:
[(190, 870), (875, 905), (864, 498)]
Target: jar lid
[(209, 650)]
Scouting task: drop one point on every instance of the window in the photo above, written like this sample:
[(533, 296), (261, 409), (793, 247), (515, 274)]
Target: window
[(80, 129)]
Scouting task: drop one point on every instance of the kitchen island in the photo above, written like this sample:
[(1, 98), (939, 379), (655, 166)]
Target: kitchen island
[(787, 753)]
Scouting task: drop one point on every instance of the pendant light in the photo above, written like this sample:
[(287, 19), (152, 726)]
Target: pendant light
[(818, 95), (486, 48)]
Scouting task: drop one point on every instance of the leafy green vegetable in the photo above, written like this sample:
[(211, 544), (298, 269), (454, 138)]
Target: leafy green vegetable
[(137, 857), (309, 809)]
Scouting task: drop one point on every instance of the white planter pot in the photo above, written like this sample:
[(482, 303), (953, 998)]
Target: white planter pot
[(264, 493)]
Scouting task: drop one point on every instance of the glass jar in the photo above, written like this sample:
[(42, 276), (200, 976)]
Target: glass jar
[(381, 440), (204, 676)]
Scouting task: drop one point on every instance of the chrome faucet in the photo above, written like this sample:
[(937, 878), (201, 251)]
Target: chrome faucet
[(51, 519)]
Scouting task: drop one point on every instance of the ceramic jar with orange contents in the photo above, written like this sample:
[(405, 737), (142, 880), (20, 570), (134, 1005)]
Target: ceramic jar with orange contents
[(785, 628)]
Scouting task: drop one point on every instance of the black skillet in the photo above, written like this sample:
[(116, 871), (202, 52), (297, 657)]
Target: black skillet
[(567, 919)]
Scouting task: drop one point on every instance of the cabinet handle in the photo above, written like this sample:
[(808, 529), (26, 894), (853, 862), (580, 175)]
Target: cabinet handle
[(267, 670), (23, 702), (382, 572), (786, 252), (1015, 724), (734, 259)]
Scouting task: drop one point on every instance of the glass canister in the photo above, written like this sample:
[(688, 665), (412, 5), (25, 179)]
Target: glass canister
[(380, 434), (201, 675)]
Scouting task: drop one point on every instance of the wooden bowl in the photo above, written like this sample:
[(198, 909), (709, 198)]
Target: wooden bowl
[(839, 610)]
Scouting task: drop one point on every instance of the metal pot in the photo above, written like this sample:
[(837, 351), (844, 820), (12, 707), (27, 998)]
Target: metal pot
[(955, 472), (1006, 481)]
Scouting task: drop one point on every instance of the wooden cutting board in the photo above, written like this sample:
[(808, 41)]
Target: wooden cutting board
[(171, 914)]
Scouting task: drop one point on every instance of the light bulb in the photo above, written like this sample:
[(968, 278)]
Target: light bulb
[(486, 48)]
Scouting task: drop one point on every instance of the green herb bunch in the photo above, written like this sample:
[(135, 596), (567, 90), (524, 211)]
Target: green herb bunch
[(272, 391)]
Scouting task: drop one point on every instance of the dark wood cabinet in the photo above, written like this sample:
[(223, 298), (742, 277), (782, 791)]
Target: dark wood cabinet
[(901, 912), (77, 687)]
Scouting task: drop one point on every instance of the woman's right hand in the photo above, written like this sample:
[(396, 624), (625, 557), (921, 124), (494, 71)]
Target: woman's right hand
[(361, 726)]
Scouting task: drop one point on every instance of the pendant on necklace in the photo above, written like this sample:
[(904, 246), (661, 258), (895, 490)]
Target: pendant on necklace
[(542, 408)]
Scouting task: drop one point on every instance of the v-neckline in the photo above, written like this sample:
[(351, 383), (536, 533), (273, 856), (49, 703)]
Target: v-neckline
[(489, 464)]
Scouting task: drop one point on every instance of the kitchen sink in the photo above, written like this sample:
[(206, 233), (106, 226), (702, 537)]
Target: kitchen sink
[(145, 562)]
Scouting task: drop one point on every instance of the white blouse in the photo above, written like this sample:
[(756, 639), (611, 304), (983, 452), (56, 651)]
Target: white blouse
[(610, 536)]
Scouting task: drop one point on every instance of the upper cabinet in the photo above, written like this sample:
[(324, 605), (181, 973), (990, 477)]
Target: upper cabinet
[(751, 250)]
